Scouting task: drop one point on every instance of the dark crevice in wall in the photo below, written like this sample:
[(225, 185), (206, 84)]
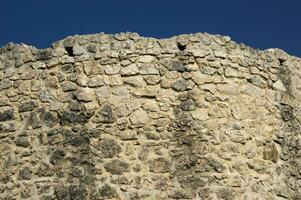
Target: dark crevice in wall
[(69, 51), (181, 47)]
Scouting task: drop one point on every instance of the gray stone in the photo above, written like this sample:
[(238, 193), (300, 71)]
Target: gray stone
[(160, 165), (27, 106), (109, 148), (96, 81), (85, 94), (22, 142), (117, 167), (139, 117), (129, 70), (25, 173), (180, 85), (6, 115), (134, 81), (278, 85), (5, 84), (148, 69), (176, 65), (69, 86)]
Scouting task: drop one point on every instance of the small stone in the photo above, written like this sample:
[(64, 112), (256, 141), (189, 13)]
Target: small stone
[(146, 59), (152, 79), (6, 115), (160, 165), (22, 142), (107, 192), (220, 54), (117, 167), (7, 127), (85, 94), (104, 115), (225, 193), (180, 85), (46, 96), (148, 69), (188, 105), (109, 148), (258, 81), (200, 78), (192, 181), (139, 117), (129, 70), (176, 65), (270, 152), (96, 81), (111, 70), (103, 92), (230, 72), (78, 50), (67, 117), (134, 81), (200, 53), (27, 106), (25, 173), (113, 80), (210, 165), (69, 86), (200, 114), (5, 84), (278, 85), (128, 135)]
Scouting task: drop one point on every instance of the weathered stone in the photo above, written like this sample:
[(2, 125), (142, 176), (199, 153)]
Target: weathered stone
[(210, 165), (22, 142), (148, 69), (200, 114), (134, 81), (67, 117), (192, 181), (96, 81), (176, 65), (117, 167), (188, 105), (146, 59), (200, 78), (129, 70), (78, 50), (271, 153), (27, 106), (160, 165), (109, 148), (180, 85), (6, 115), (69, 86), (57, 156), (85, 94), (25, 173), (107, 192), (278, 85), (104, 115), (139, 117), (113, 80)]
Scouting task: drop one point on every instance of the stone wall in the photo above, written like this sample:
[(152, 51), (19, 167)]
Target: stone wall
[(126, 117)]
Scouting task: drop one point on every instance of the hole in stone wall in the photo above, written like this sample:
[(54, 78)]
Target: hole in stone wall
[(69, 51), (281, 61), (181, 47)]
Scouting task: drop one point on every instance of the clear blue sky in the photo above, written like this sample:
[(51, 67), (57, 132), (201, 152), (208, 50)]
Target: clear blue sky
[(258, 23)]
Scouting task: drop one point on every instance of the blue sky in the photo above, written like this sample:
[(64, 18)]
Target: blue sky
[(258, 23)]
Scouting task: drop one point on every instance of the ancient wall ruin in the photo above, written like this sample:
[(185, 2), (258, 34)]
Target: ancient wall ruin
[(126, 117)]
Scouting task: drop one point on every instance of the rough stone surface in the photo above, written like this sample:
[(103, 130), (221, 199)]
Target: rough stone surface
[(122, 116)]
